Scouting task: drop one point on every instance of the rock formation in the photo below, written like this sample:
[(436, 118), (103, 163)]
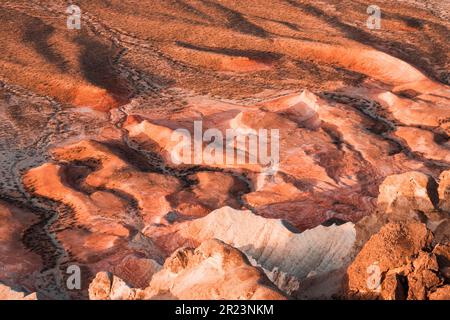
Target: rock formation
[(213, 270), (312, 254), (400, 262), (7, 293), (444, 191), (18, 264), (293, 154), (402, 196)]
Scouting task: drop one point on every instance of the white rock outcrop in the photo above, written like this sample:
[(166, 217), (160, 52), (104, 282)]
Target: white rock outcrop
[(285, 255)]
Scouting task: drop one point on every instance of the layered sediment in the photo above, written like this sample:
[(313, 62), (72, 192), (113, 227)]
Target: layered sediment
[(93, 173)]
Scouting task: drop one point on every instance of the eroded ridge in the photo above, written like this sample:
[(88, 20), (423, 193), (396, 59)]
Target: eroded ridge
[(90, 172)]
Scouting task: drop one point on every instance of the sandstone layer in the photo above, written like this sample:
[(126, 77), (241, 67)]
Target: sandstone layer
[(213, 270), (115, 159)]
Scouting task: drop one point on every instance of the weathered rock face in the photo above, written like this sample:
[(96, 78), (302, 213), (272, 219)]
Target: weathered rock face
[(17, 263), (105, 231), (210, 190), (212, 271), (268, 242), (136, 271), (400, 262), (87, 125), (444, 191), (423, 142), (325, 185), (7, 293), (312, 271), (415, 196), (113, 173), (403, 196), (106, 286), (442, 293)]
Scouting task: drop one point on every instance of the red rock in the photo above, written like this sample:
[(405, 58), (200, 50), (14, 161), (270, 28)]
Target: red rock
[(444, 190), (396, 263), (86, 140), (212, 271), (211, 190), (267, 241), (7, 293), (392, 288), (136, 271), (17, 263), (406, 194), (442, 293), (149, 189), (422, 142)]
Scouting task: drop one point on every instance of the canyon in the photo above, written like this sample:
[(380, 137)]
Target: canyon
[(353, 202)]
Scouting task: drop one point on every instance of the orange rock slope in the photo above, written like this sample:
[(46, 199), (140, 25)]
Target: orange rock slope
[(115, 155)]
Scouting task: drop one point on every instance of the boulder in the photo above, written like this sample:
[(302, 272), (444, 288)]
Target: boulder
[(407, 195)]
